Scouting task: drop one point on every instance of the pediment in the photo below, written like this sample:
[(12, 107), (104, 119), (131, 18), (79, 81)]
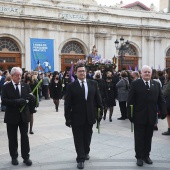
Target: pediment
[(137, 5)]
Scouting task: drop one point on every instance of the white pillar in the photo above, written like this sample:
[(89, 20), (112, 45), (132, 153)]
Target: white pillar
[(158, 59), (151, 53), (109, 51)]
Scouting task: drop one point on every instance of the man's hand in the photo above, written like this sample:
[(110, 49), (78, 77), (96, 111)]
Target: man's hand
[(30, 97), (20, 102), (68, 123), (130, 118), (163, 116)]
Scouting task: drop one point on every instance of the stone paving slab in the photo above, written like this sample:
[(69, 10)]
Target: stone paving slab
[(52, 146)]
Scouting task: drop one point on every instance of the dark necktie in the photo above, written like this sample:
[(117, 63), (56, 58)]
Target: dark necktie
[(17, 90), (83, 88), (147, 85)]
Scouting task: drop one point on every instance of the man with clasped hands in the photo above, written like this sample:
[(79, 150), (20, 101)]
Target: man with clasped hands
[(81, 102), (146, 97), (15, 95)]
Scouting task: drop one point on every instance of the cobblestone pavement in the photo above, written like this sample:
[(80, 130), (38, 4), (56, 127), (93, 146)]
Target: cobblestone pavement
[(52, 146)]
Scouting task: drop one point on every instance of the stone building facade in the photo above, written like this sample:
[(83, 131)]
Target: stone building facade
[(77, 25)]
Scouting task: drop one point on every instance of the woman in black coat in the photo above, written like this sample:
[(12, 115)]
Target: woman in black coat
[(102, 89), (31, 80), (112, 95), (56, 90), (65, 81)]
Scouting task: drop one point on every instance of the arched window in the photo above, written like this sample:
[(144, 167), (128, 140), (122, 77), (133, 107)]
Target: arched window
[(7, 44), (72, 47), (168, 53), (130, 51)]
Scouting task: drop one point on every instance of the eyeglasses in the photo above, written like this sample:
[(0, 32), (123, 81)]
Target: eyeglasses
[(81, 71)]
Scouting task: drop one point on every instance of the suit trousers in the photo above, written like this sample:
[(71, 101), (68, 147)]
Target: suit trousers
[(82, 139), (123, 109), (45, 89), (143, 139), (12, 130)]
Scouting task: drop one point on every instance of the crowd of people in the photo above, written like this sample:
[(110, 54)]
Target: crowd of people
[(83, 92)]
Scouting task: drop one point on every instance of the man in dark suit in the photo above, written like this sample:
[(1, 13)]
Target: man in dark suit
[(15, 95), (81, 102), (145, 95)]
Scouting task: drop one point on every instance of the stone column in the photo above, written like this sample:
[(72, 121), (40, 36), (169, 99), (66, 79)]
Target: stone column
[(151, 52), (92, 40), (109, 47), (159, 61)]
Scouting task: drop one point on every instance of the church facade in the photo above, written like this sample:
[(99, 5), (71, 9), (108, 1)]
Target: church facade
[(76, 26)]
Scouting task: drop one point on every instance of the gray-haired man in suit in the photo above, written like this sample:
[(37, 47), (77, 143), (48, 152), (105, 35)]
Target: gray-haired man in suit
[(145, 95), (15, 95)]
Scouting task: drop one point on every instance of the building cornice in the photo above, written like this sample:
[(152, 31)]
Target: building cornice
[(88, 23), (116, 18)]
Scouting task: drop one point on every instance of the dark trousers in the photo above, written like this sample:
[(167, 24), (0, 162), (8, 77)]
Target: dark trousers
[(143, 138), (123, 110), (45, 91), (82, 139), (13, 139)]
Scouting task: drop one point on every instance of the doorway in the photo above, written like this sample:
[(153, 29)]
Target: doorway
[(10, 55), (72, 51)]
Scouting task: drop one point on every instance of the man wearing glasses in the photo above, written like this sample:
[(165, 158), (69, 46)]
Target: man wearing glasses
[(81, 102)]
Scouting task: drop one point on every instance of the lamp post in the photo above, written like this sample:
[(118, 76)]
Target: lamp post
[(122, 48)]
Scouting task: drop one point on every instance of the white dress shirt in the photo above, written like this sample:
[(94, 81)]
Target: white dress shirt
[(148, 82), (19, 86), (85, 86)]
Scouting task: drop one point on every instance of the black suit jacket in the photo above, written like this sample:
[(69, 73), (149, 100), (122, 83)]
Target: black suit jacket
[(145, 102), (12, 113), (77, 109)]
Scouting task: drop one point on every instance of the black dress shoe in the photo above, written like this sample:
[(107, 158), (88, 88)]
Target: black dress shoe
[(15, 162), (87, 157), (31, 132), (166, 133), (148, 160), (155, 128), (139, 162), (28, 162), (80, 165), (121, 118)]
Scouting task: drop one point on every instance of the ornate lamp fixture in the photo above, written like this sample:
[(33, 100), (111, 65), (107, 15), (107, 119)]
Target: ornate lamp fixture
[(114, 60), (89, 60), (123, 45), (122, 48)]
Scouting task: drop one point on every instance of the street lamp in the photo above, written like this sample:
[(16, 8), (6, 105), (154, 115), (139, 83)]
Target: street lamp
[(122, 48)]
